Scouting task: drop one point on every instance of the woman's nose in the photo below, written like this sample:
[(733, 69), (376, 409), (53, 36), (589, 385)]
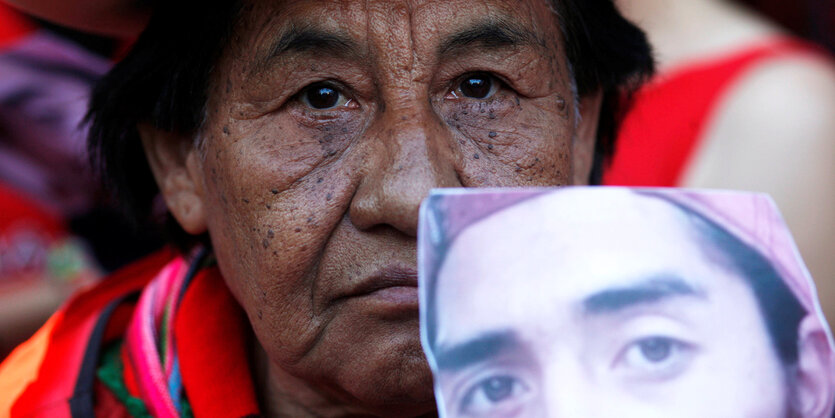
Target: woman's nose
[(410, 152)]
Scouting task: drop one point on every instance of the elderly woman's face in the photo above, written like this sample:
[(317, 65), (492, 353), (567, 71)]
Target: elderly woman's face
[(328, 122)]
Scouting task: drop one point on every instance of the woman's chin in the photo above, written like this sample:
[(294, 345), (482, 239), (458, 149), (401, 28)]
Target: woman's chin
[(377, 367)]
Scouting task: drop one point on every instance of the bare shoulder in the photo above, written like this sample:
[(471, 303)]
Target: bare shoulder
[(796, 88), (774, 132), (783, 105)]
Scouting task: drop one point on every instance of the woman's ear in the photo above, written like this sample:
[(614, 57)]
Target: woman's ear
[(177, 167), (586, 137), (814, 391)]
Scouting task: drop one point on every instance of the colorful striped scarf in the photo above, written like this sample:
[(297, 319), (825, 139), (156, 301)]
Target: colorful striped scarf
[(150, 341)]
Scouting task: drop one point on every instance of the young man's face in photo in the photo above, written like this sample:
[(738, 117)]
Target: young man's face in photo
[(599, 313)]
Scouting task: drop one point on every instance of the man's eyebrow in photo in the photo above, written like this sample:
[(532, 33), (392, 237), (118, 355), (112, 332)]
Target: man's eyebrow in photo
[(476, 350), (653, 290), (488, 34)]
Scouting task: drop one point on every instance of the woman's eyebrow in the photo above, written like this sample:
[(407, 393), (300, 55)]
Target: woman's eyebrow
[(308, 39), (651, 290), (488, 34)]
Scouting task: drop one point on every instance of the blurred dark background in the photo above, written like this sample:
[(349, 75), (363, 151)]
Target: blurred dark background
[(810, 19)]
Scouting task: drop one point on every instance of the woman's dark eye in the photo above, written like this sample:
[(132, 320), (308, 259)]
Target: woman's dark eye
[(323, 97), (477, 86)]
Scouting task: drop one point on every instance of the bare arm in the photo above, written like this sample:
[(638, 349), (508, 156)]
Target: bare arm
[(775, 132)]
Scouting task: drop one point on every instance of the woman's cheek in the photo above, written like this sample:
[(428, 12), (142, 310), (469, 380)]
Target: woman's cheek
[(517, 141), (284, 150)]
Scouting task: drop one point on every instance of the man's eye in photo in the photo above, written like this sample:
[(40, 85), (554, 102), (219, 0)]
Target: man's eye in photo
[(495, 395), (656, 357)]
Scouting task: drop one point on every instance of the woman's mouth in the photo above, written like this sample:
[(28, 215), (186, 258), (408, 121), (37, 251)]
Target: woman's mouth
[(390, 289)]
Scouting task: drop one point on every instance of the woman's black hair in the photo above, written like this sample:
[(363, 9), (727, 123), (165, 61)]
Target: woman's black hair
[(609, 54), (164, 79)]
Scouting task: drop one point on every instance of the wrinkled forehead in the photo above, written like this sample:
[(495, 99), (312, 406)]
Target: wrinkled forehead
[(384, 25)]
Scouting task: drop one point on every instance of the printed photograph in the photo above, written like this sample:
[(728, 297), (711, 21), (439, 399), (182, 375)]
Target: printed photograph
[(601, 302)]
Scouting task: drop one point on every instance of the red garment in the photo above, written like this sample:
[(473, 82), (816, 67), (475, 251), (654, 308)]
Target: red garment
[(13, 25), (53, 374), (669, 115), (28, 233)]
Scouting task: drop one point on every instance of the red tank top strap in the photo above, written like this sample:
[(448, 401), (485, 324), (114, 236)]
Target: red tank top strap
[(668, 115)]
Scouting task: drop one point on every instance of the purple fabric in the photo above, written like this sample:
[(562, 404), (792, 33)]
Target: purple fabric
[(44, 87)]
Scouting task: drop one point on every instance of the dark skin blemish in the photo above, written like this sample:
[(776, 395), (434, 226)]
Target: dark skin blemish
[(329, 196), (492, 134), (270, 233), (319, 180), (225, 130), (265, 243), (274, 191), (476, 156), (298, 230), (489, 146), (560, 104), (245, 200)]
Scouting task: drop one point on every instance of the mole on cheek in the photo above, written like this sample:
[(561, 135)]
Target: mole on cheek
[(560, 103)]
